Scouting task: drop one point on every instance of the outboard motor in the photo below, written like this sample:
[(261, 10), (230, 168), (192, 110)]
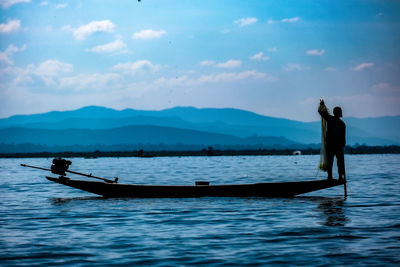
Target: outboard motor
[(60, 165)]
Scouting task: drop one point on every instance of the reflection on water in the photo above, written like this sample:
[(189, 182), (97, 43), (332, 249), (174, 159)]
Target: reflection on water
[(332, 208), (42, 223), (61, 201)]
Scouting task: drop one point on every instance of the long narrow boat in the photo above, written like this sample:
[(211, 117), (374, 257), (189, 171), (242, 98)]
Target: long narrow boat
[(283, 189), (111, 188)]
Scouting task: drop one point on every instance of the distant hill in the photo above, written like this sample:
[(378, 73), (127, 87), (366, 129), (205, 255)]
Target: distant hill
[(134, 135), (383, 127), (230, 123)]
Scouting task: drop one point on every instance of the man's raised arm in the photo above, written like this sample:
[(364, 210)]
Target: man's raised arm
[(323, 110)]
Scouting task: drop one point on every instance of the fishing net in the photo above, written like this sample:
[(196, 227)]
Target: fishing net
[(323, 161)]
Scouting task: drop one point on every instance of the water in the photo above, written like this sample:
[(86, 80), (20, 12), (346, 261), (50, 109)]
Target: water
[(42, 223)]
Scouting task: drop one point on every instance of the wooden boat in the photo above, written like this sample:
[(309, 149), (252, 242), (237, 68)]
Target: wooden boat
[(282, 189), (111, 188)]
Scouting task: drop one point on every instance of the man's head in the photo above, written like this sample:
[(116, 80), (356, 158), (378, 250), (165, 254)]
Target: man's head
[(337, 111)]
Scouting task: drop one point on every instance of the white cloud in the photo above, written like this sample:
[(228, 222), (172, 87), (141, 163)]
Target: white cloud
[(273, 49), (315, 52), (85, 30), (381, 86), (52, 68), (97, 81), (294, 66), (207, 63), (148, 34), (291, 20), (7, 54), (59, 6), (107, 48), (330, 69), (232, 76), (44, 3), (11, 26), (224, 77), (67, 28), (384, 88), (245, 21), (232, 63), (285, 20), (48, 71), (7, 3), (363, 66), (260, 57), (133, 67)]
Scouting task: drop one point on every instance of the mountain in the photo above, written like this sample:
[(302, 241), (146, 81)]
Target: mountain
[(385, 127), (227, 121), (133, 135)]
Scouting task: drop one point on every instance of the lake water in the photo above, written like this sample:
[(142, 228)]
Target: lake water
[(42, 223)]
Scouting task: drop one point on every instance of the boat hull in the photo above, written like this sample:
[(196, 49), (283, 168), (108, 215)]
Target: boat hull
[(283, 189)]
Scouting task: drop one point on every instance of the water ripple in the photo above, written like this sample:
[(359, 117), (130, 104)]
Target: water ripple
[(42, 223)]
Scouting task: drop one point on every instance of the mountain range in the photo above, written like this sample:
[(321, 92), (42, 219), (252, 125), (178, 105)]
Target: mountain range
[(101, 126)]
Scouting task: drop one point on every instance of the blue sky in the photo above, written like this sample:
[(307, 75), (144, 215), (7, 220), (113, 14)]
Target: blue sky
[(275, 58)]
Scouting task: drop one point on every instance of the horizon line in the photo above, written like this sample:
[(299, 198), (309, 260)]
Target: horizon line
[(199, 108)]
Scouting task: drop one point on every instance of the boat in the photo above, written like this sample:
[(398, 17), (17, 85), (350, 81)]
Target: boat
[(278, 189), (111, 188)]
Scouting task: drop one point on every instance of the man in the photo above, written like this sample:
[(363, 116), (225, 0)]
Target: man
[(335, 138)]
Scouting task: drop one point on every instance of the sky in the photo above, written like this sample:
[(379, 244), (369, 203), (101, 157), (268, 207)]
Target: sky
[(275, 58)]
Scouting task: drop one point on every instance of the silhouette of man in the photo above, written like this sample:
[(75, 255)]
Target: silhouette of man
[(335, 138)]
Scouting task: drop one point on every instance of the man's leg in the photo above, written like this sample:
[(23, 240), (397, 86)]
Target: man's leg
[(330, 154), (340, 162)]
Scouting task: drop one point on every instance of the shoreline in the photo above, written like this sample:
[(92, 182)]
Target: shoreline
[(203, 152)]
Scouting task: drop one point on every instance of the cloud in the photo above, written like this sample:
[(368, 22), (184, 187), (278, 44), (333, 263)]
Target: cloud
[(133, 67), (291, 20), (67, 28), (207, 63), (85, 30), (53, 67), (363, 66), (232, 63), (260, 57), (7, 54), (44, 3), (381, 86), (232, 76), (286, 20), (294, 66), (330, 69), (108, 48), (224, 77), (384, 88), (148, 34), (59, 6), (315, 52), (12, 25), (97, 81), (273, 49), (48, 71), (245, 21), (7, 3)]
